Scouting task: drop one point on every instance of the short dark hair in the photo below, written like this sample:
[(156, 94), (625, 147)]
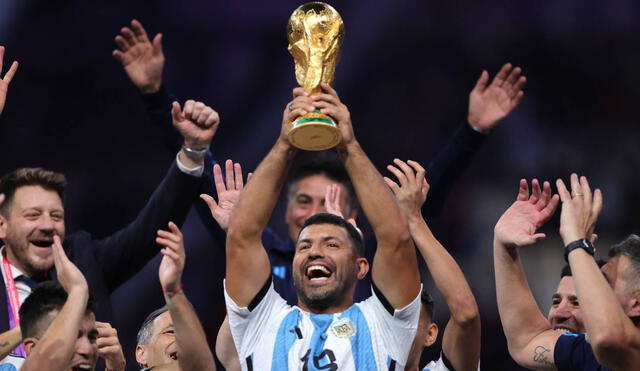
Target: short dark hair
[(322, 163), (47, 297), (326, 218), (427, 302), (29, 176), (144, 334), (630, 248), (566, 270)]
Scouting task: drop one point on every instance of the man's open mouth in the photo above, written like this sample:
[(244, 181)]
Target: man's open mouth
[(82, 366), (42, 243), (318, 273)]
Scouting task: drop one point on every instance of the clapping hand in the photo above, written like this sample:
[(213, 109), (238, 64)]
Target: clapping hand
[(172, 263), (518, 226)]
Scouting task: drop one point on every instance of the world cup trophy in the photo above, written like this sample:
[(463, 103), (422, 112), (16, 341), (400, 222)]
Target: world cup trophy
[(315, 32)]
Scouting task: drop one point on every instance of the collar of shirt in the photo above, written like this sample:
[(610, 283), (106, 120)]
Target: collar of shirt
[(14, 271)]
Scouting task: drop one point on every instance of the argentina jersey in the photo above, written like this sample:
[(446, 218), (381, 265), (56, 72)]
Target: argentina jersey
[(365, 337)]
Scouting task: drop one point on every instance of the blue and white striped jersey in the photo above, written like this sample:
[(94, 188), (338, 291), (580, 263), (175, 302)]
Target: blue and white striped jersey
[(367, 337)]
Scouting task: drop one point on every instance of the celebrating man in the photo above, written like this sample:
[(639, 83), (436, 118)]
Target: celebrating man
[(171, 338), (325, 330), (32, 214), (610, 314)]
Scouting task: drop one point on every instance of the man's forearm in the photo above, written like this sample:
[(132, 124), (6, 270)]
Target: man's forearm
[(521, 319), (461, 338), (9, 340), (190, 336), (446, 273), (376, 200), (55, 348), (611, 332)]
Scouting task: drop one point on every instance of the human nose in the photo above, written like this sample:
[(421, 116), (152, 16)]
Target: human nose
[(85, 348), (563, 311), (316, 251), (46, 223)]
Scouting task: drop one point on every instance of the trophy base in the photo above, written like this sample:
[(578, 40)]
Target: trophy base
[(314, 132)]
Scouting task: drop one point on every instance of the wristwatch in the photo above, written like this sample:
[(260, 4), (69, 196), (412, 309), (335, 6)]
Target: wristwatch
[(196, 154), (579, 244)]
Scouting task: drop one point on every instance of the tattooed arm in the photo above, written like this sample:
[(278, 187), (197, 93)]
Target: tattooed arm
[(529, 335)]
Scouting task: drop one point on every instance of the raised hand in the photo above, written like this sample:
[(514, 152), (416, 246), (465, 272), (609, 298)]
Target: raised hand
[(328, 102), (228, 193), (172, 263), (142, 59), (109, 347), (580, 209), (332, 204), (518, 225), (490, 104), (69, 276), (413, 188), (197, 123), (4, 81), (300, 105)]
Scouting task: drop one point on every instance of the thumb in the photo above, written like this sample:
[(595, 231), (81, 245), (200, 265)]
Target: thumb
[(210, 201), (176, 112), (481, 84), (157, 45)]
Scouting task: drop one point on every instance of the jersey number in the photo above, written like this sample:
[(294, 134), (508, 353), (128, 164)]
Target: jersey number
[(326, 354)]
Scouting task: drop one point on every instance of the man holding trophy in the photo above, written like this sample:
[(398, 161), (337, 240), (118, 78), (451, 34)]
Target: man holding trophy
[(326, 330)]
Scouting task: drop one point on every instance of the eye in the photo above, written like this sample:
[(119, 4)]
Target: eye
[(169, 332), (304, 246), (333, 244), (32, 216), (57, 217), (555, 302)]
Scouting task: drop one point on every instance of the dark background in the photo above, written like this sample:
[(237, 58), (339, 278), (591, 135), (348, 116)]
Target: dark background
[(405, 73)]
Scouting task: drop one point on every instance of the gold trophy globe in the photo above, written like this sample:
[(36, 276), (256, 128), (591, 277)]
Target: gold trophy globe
[(315, 32)]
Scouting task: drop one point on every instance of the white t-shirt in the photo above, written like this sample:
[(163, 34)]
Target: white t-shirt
[(436, 365), (439, 365), (276, 336)]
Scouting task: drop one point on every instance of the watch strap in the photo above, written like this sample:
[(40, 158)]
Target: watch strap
[(579, 244)]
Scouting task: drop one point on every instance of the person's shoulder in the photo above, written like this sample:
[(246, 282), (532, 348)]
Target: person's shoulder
[(573, 351)]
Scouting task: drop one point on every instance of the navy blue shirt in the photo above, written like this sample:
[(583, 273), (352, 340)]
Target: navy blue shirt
[(573, 352)]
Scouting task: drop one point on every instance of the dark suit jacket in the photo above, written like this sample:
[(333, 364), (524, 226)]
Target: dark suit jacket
[(107, 263)]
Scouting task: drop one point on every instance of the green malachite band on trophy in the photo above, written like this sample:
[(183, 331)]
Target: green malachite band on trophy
[(313, 119)]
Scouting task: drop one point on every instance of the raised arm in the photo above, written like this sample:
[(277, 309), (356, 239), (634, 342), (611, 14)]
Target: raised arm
[(461, 340), (248, 265), (529, 335), (614, 338), (6, 80), (489, 103), (194, 352), (395, 271), (125, 252), (56, 347)]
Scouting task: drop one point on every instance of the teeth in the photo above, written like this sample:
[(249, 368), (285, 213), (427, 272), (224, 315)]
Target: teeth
[(318, 267), (85, 367)]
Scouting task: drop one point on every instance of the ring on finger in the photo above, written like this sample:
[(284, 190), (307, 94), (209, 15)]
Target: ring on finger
[(577, 194), (290, 106)]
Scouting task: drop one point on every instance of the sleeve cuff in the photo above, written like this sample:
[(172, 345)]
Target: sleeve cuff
[(196, 171)]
